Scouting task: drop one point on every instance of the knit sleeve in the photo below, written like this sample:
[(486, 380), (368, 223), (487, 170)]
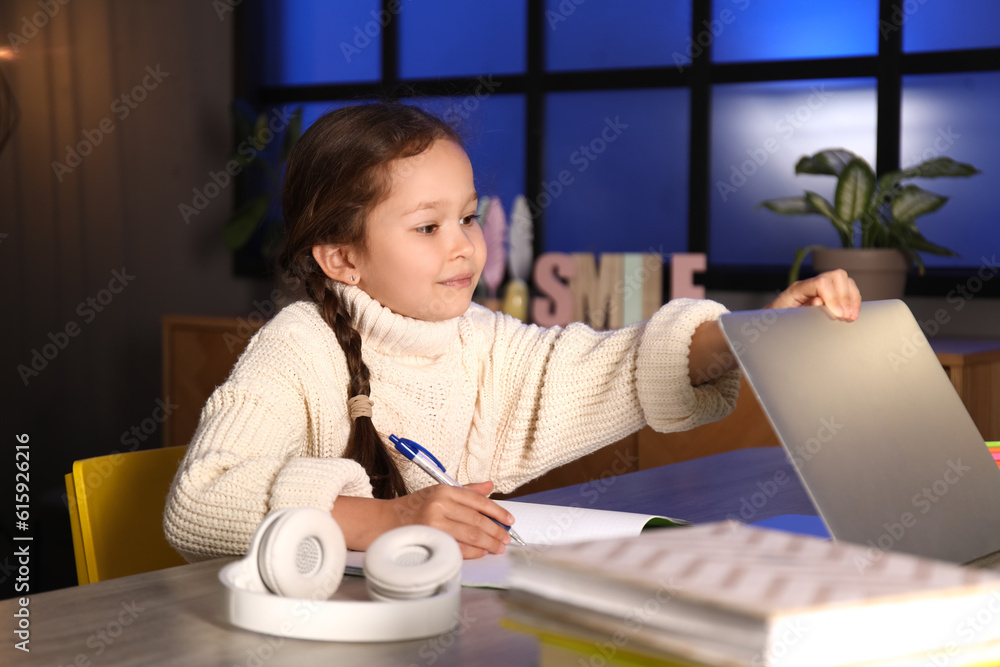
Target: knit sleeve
[(561, 393), (252, 454)]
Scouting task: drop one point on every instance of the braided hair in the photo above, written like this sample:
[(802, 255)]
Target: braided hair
[(337, 173)]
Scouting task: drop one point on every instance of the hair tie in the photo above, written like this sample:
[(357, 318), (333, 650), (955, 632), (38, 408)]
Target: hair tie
[(359, 406)]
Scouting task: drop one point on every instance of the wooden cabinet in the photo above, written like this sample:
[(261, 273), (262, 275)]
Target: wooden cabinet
[(198, 353), (974, 369)]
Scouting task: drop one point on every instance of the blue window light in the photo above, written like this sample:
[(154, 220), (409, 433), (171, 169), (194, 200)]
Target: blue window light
[(745, 30), (452, 38), (493, 132), (956, 24), (315, 41), (759, 131), (954, 115), (601, 35), (616, 171)]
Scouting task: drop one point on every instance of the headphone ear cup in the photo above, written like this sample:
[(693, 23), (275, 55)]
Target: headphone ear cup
[(302, 554), (411, 562)]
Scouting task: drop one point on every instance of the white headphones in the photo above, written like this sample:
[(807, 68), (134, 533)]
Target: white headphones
[(296, 563)]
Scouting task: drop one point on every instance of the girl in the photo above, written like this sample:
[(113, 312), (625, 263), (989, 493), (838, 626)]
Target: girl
[(380, 209)]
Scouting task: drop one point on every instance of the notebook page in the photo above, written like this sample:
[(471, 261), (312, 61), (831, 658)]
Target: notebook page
[(546, 525), (542, 526)]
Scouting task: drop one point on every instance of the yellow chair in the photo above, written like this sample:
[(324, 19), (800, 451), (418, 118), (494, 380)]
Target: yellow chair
[(116, 513)]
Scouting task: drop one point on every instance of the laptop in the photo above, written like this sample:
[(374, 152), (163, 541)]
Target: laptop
[(874, 428)]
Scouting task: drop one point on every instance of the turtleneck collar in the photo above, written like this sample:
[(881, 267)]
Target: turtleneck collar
[(395, 335)]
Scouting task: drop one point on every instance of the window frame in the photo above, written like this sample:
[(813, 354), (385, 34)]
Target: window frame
[(888, 67)]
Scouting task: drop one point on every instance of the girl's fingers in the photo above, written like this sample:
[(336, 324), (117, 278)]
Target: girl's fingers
[(834, 289), (463, 514), (474, 528)]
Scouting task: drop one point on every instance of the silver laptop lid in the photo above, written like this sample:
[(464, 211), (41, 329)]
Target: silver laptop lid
[(879, 437)]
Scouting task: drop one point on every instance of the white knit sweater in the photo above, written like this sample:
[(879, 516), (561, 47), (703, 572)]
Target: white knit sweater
[(492, 398)]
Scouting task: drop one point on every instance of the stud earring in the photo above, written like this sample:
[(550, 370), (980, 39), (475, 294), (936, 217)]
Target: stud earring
[(352, 279)]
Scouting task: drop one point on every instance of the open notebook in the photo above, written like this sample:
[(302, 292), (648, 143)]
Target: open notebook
[(542, 526)]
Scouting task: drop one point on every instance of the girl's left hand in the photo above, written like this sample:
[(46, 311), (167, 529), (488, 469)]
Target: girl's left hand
[(833, 289)]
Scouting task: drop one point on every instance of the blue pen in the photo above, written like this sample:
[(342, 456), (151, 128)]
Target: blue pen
[(430, 465)]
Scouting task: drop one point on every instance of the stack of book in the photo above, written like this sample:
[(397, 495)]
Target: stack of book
[(729, 594), (994, 448)]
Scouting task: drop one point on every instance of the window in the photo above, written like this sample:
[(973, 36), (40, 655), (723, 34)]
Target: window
[(667, 120), (605, 35), (759, 131), (316, 42), (437, 39), (792, 29), (616, 171)]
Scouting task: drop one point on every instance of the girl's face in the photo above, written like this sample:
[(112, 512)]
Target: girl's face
[(425, 248)]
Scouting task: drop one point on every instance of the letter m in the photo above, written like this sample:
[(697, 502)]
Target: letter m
[(597, 294)]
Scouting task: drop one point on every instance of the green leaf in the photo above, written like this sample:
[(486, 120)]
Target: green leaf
[(789, 206), (821, 205), (873, 232), (825, 208), (941, 166), (910, 239), (242, 159), (241, 226), (912, 202), (923, 245), (887, 182), (258, 132), (800, 255), (292, 134), (830, 161), (855, 188)]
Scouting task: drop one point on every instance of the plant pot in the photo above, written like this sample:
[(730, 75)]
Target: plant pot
[(879, 272)]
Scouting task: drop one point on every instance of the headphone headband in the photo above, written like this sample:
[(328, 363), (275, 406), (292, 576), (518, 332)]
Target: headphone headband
[(250, 605)]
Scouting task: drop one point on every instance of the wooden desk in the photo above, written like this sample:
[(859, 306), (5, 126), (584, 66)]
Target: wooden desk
[(173, 616)]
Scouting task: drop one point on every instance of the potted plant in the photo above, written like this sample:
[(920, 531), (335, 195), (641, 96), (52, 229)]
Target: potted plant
[(875, 219), (263, 143)]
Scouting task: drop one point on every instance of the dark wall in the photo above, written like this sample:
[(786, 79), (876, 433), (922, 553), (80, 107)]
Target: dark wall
[(94, 249)]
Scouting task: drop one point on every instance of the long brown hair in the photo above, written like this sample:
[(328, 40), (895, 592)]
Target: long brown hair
[(337, 173)]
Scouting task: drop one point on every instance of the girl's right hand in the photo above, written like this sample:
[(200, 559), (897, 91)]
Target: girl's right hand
[(462, 512)]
